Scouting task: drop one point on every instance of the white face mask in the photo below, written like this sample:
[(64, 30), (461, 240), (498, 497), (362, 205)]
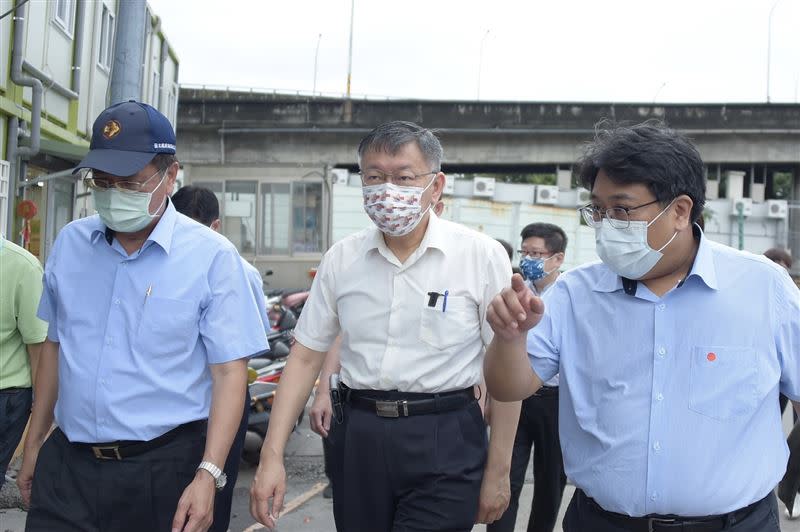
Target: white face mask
[(626, 251), (395, 210), (125, 212)]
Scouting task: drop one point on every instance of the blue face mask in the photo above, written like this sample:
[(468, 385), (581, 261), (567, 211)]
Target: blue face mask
[(533, 269)]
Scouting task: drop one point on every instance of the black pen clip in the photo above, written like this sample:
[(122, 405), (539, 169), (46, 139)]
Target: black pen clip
[(433, 297)]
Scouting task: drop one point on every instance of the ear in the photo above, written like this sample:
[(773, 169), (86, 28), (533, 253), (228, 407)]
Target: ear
[(438, 187), (216, 224), (172, 174), (558, 258), (682, 208)]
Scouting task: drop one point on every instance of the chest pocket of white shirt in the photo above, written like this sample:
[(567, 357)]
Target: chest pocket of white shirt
[(723, 381), (167, 326), (457, 325)]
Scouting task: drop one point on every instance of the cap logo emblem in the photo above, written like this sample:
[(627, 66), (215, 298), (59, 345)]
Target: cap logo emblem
[(111, 129)]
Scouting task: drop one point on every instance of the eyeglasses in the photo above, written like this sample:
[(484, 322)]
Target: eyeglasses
[(618, 217), (376, 177), (102, 183), (534, 254)]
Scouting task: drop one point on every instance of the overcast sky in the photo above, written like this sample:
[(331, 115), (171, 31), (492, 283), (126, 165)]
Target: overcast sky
[(554, 50)]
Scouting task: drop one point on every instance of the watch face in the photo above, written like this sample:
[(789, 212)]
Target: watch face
[(221, 481)]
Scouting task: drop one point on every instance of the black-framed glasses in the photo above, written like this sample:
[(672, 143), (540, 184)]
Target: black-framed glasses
[(535, 254), (618, 217), (376, 177), (103, 183)]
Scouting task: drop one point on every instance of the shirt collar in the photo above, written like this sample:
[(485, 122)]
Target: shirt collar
[(703, 268), (161, 234), (434, 236)]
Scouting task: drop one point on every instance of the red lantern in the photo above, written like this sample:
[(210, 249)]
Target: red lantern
[(26, 210)]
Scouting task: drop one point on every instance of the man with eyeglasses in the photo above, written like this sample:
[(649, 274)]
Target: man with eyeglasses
[(541, 256), (408, 297), (151, 320), (671, 352)]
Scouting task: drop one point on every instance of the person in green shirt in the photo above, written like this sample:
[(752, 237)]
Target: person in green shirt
[(21, 337)]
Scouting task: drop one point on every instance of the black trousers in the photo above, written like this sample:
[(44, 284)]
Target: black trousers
[(538, 428), (418, 473), (582, 517), (224, 498), (75, 492), (15, 409)]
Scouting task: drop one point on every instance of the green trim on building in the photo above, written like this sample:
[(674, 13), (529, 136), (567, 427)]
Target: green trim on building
[(65, 150), (52, 129)]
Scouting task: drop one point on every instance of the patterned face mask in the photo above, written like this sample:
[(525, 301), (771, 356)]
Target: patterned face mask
[(533, 269), (395, 210)]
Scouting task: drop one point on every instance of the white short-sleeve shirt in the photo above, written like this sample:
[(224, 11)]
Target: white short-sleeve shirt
[(392, 338)]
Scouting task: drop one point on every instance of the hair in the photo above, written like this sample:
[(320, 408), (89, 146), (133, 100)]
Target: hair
[(555, 240), (162, 161), (779, 255), (198, 203), (507, 247), (651, 154), (392, 136)]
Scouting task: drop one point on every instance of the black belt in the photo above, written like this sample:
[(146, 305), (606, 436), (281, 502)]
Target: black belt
[(15, 389), (119, 450), (671, 523), (400, 404), (546, 391)]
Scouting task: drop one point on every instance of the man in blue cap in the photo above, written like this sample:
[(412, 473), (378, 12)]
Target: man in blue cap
[(151, 321)]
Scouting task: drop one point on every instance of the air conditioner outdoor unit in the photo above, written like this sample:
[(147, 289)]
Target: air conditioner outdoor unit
[(449, 185), (483, 187), (583, 197), (340, 176), (547, 194), (777, 208), (746, 206)]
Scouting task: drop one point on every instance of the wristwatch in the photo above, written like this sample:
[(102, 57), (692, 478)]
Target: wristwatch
[(220, 478)]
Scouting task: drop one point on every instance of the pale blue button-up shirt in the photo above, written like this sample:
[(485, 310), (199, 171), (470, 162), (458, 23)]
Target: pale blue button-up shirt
[(670, 405), (137, 333)]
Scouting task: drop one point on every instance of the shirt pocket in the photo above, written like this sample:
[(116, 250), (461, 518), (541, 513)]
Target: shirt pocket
[(168, 327), (723, 382), (456, 326)]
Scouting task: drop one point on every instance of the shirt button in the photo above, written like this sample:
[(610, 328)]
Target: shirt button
[(657, 446), (660, 397), (102, 381), (662, 306), (654, 496), (109, 340), (117, 301), (662, 351)]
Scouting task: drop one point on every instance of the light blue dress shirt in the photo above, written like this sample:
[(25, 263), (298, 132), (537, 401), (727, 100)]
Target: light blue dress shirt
[(137, 333), (670, 405), (257, 287)]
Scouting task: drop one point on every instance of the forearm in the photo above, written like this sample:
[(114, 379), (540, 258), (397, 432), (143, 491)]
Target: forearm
[(297, 380), (34, 351), (227, 405), (507, 370), (45, 389), (503, 426)]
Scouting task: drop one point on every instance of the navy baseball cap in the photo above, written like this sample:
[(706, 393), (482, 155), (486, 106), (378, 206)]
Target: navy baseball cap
[(125, 137)]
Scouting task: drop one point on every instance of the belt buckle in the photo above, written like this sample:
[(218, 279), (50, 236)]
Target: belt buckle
[(391, 408), (98, 452), (658, 520)]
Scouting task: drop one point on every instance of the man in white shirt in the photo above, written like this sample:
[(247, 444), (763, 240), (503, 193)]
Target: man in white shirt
[(409, 298)]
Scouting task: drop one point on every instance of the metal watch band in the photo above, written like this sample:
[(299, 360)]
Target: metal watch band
[(211, 468)]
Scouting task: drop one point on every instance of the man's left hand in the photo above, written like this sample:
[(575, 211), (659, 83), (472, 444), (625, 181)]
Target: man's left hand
[(495, 495), (196, 506)]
